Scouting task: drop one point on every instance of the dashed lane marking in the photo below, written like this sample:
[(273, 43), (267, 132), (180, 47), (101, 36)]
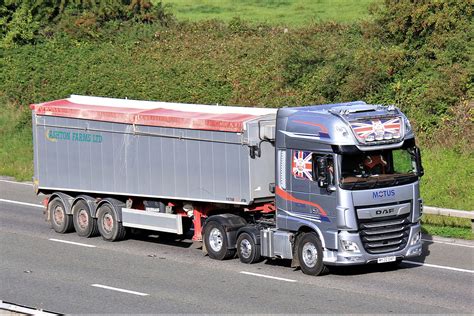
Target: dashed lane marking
[(267, 276), (119, 289), (72, 243)]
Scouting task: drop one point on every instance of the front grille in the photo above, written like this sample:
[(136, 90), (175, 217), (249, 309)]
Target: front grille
[(386, 234)]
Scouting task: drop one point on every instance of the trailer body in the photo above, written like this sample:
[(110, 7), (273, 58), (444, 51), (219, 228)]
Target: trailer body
[(125, 158), (322, 185)]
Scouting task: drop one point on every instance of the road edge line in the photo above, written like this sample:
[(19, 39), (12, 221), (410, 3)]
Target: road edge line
[(21, 309), (16, 182), (437, 266), (21, 203)]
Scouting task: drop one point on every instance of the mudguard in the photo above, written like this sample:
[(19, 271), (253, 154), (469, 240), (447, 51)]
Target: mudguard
[(231, 223), (252, 231)]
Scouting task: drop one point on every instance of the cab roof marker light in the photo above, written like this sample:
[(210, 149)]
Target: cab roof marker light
[(342, 130)]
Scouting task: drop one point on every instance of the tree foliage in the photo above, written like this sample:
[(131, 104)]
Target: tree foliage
[(414, 53), (22, 20)]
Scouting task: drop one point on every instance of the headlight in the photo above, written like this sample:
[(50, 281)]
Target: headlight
[(415, 238), (349, 246)]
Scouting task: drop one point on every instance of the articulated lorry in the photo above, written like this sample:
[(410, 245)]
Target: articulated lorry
[(321, 185)]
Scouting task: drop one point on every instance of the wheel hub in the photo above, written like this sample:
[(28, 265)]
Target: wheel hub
[(58, 215), (215, 239), (108, 223), (310, 254), (83, 219), (245, 248)]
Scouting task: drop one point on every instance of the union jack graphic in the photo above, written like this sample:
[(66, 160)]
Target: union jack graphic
[(302, 165), (377, 129)]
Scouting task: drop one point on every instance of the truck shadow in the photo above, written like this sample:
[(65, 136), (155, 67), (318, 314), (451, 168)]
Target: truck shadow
[(427, 240), (169, 239)]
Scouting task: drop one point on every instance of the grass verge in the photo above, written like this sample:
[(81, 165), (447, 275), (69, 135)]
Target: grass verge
[(448, 232), (450, 227), (16, 146), (448, 178), (281, 12)]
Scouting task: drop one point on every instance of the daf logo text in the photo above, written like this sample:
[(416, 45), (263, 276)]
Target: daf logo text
[(387, 211)]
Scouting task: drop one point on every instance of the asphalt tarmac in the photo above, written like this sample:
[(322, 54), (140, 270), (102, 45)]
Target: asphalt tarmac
[(65, 273)]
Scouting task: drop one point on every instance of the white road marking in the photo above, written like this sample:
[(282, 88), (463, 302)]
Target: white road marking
[(23, 310), (437, 266), (119, 290), (72, 243), (21, 203), (268, 276), (15, 182), (447, 243)]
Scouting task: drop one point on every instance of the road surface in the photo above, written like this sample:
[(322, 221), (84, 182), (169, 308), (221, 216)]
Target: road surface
[(152, 274)]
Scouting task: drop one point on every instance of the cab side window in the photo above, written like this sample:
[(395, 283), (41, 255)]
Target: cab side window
[(329, 168)]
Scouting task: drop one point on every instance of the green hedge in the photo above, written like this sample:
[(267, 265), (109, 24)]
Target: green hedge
[(414, 54)]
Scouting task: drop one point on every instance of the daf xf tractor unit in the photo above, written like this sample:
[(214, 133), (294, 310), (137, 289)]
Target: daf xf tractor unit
[(322, 185)]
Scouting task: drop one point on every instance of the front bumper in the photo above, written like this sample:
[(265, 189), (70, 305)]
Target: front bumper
[(342, 258)]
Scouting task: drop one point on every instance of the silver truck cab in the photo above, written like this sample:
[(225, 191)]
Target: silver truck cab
[(347, 182)]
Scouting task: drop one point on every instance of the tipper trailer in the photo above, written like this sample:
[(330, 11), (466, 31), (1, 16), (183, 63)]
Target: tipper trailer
[(322, 185)]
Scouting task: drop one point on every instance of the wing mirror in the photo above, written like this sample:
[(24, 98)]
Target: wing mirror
[(419, 166)]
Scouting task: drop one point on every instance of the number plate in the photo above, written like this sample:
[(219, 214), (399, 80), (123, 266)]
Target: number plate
[(386, 259)]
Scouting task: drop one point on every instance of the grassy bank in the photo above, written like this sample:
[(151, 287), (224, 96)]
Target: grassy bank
[(16, 152), (448, 178), (412, 55), (281, 12)]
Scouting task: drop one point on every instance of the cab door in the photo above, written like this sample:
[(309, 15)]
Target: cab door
[(308, 202)]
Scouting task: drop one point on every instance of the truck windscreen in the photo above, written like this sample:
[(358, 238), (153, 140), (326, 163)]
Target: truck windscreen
[(378, 169)]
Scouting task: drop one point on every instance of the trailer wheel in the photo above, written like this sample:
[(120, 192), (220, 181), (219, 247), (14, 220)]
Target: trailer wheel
[(310, 254), (85, 225), (60, 220), (109, 227), (216, 242), (248, 251)]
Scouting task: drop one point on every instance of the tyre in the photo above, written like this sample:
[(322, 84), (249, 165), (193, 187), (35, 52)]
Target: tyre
[(216, 242), (85, 225), (310, 254), (248, 251), (109, 227), (60, 221)]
